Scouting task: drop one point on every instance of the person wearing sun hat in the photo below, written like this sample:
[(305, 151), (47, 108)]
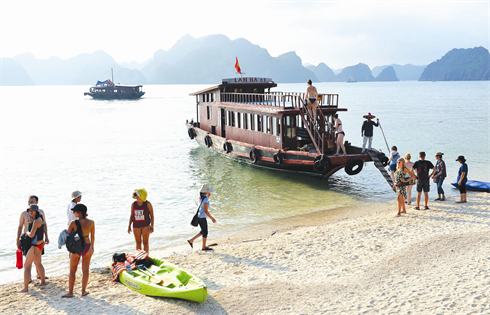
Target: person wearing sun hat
[(367, 131), (462, 178), (142, 219), (440, 175), (76, 197), (204, 194)]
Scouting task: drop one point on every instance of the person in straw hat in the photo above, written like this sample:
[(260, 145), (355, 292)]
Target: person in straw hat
[(367, 131), (203, 213), (440, 175)]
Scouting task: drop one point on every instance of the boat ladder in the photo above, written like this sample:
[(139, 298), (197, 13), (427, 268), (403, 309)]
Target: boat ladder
[(380, 166)]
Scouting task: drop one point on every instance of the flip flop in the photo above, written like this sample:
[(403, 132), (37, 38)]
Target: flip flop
[(207, 248), (86, 293), (426, 208), (192, 246), (417, 208), (67, 296)]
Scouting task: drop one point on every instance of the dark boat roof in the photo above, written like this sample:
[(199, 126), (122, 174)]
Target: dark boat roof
[(248, 82)]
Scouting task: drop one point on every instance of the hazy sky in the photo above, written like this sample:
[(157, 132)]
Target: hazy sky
[(339, 33)]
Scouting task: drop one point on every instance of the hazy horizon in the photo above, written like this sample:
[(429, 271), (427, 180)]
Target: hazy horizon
[(340, 34)]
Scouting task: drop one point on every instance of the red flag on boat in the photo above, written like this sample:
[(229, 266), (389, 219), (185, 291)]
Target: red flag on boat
[(237, 66)]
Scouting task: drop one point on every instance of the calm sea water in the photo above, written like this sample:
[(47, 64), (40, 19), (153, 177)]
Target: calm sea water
[(54, 141)]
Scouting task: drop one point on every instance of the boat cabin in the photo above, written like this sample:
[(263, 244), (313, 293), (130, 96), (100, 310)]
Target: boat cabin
[(246, 110)]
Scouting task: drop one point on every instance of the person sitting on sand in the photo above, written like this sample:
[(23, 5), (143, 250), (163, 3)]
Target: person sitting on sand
[(36, 232), (400, 185), (203, 213), (88, 231), (311, 99), (142, 219)]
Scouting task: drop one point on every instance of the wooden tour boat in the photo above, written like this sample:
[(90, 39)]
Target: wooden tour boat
[(242, 119), (108, 91)]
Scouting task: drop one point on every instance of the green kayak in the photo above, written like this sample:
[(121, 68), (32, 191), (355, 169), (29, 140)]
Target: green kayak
[(166, 280)]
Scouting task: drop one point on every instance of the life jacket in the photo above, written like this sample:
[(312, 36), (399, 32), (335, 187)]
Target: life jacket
[(118, 267)]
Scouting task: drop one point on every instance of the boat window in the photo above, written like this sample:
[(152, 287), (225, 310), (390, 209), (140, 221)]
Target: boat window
[(290, 129), (231, 119), (265, 122), (115, 91), (274, 126), (237, 119), (242, 120), (212, 97), (249, 121), (208, 112), (257, 123)]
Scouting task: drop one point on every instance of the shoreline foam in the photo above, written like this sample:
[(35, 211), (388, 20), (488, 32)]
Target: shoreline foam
[(425, 262)]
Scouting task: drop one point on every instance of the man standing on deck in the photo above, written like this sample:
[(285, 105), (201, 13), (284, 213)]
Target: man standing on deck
[(76, 197), (367, 131), (24, 221), (421, 168)]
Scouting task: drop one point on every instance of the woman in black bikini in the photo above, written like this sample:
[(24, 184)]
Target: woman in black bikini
[(36, 232), (88, 229), (340, 134)]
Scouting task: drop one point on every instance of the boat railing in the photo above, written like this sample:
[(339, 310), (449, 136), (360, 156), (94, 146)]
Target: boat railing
[(278, 99)]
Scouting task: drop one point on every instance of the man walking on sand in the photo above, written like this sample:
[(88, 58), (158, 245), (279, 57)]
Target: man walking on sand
[(421, 168), (24, 221), (76, 197)]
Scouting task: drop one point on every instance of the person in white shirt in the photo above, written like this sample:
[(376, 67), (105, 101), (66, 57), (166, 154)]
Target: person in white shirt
[(76, 197)]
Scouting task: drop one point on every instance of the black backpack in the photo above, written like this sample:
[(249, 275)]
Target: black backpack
[(75, 242)]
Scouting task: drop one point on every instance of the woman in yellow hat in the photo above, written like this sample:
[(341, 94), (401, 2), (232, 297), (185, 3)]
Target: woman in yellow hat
[(142, 219), (203, 213)]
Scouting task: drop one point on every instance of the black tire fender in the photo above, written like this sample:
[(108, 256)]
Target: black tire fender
[(321, 164), (383, 158), (254, 157), (278, 158), (227, 147), (208, 141), (192, 133), (354, 166)]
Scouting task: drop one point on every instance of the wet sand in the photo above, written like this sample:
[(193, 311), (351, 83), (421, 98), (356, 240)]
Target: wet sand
[(433, 261)]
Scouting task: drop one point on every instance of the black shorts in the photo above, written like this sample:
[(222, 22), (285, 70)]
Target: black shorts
[(203, 223), (462, 187), (423, 185)]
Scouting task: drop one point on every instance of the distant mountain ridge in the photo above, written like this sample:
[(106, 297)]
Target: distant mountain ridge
[(210, 58), (471, 64)]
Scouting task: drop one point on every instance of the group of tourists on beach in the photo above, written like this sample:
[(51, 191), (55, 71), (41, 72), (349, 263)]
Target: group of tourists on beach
[(405, 174), (32, 233)]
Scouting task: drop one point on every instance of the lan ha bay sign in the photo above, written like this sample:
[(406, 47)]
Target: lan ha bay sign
[(246, 80)]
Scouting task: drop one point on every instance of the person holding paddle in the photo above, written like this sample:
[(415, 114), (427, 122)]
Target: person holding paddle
[(203, 213)]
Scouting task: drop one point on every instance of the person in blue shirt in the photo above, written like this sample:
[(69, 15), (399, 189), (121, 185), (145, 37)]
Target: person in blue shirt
[(367, 131), (462, 178), (203, 213)]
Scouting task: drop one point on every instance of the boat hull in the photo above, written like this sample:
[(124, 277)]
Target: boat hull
[(185, 285), (289, 160), (474, 185), (113, 96)]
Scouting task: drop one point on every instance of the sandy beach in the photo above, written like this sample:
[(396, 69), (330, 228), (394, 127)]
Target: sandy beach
[(435, 261)]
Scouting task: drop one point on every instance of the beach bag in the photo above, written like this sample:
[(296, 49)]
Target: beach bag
[(119, 257), (195, 218), (20, 263), (435, 179), (75, 242), (25, 243)]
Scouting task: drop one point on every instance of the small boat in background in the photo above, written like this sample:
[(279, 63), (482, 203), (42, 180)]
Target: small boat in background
[(474, 185), (107, 90)]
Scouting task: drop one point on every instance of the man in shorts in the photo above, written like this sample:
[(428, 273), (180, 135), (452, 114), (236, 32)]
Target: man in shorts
[(421, 168), (24, 221)]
